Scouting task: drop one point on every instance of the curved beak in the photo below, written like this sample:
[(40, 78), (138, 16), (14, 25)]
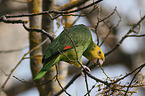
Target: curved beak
[(98, 60), (101, 61)]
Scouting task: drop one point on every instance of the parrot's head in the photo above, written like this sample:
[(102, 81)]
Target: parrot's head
[(94, 54), (97, 54)]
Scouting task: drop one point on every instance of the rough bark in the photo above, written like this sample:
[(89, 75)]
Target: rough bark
[(47, 25), (34, 40)]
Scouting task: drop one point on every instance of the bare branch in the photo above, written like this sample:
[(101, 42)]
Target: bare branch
[(51, 11), (140, 68), (3, 19), (69, 83), (12, 50), (87, 86), (125, 36), (72, 4), (115, 10), (59, 82), (39, 30), (9, 75)]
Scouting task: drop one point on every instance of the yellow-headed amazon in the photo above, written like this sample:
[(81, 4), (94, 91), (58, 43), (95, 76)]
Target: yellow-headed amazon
[(62, 49)]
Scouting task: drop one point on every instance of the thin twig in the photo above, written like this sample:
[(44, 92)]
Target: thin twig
[(39, 30), (97, 80), (51, 11), (140, 68), (4, 19), (69, 83), (59, 82), (104, 71), (125, 36), (12, 50), (74, 46), (128, 74), (87, 86), (4, 71), (3, 85), (32, 83), (115, 10), (141, 35), (90, 89)]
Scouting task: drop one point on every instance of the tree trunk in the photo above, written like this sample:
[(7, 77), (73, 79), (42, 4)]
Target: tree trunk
[(47, 25), (35, 39)]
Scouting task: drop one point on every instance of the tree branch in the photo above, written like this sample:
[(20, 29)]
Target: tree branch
[(52, 11), (126, 35)]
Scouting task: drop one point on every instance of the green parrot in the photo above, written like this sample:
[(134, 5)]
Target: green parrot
[(76, 39)]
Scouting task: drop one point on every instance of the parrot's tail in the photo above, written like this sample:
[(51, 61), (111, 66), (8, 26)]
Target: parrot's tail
[(40, 75), (46, 67)]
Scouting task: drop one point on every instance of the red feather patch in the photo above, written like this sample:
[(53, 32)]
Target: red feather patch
[(67, 47)]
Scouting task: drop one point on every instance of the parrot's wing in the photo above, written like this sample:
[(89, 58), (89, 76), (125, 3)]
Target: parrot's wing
[(56, 53), (78, 35)]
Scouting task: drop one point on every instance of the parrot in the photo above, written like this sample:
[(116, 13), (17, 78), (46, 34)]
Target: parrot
[(70, 46)]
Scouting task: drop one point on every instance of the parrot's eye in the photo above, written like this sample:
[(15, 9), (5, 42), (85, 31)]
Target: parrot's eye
[(99, 52)]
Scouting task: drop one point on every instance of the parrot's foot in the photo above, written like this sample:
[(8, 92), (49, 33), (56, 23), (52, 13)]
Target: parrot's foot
[(86, 69)]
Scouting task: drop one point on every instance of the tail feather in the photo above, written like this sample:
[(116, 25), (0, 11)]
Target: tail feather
[(40, 75), (45, 68)]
